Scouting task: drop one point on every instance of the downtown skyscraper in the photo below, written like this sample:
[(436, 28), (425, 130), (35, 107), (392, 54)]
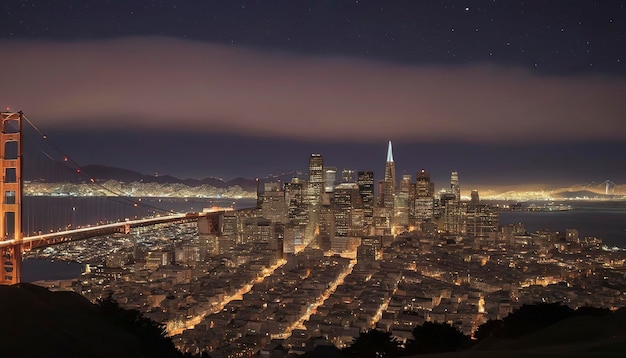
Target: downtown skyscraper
[(451, 215), (384, 210), (422, 200), (365, 182), (389, 182), (314, 190)]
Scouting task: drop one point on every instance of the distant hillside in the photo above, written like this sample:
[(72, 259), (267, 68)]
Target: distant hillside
[(40, 323), (594, 189), (104, 173), (578, 194)]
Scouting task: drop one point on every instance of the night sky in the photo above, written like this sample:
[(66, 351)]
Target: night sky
[(504, 92)]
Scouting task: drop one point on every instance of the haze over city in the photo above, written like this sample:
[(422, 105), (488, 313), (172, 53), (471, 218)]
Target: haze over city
[(505, 93)]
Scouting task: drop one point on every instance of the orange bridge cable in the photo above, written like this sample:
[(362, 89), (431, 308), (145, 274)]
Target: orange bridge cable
[(78, 170), (126, 200), (77, 167)]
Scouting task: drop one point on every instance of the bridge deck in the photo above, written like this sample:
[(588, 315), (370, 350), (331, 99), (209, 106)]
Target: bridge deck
[(84, 232)]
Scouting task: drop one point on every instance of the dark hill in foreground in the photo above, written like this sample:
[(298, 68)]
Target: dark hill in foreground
[(40, 323), (576, 336)]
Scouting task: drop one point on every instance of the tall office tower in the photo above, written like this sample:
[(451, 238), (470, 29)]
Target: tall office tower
[(273, 205), (389, 185), (294, 200), (326, 229), (423, 186), (366, 190), (348, 209), (347, 176), (405, 183), (316, 179), (401, 202), (229, 224), (455, 188), (258, 193), (423, 203), (293, 239), (313, 197), (475, 199), (482, 219), (330, 179), (448, 210), (278, 241), (452, 212), (379, 189), (257, 230)]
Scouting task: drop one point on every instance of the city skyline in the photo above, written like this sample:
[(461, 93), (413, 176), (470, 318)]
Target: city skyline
[(503, 93)]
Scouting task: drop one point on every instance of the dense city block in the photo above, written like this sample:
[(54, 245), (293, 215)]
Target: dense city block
[(330, 256)]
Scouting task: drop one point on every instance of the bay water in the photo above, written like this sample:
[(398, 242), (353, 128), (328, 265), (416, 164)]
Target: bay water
[(605, 220)]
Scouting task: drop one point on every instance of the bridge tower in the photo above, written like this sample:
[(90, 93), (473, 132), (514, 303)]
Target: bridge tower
[(11, 191)]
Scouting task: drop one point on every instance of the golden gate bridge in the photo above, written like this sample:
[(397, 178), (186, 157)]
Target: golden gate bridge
[(13, 242)]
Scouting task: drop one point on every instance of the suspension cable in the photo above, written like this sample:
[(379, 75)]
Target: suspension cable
[(78, 170)]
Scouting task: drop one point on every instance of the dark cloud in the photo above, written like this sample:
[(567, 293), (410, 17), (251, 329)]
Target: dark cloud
[(171, 84)]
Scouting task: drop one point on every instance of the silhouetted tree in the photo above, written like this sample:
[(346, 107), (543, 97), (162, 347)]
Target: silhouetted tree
[(151, 334), (202, 355), (531, 318), (592, 311), (374, 344), (488, 329), (433, 337)]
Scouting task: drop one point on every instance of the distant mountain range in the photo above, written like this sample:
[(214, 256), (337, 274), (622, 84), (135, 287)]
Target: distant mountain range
[(589, 191), (61, 173), (102, 173), (594, 188)]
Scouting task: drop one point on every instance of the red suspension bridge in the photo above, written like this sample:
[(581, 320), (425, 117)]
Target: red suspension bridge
[(13, 242)]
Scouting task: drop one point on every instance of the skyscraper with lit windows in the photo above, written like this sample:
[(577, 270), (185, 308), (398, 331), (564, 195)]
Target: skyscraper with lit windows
[(389, 182), (482, 219), (315, 184), (422, 200), (455, 188), (365, 182), (401, 202), (330, 179), (453, 215), (314, 190)]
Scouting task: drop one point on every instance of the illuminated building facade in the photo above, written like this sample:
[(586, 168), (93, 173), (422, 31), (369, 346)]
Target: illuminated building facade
[(371, 249), (348, 210), (389, 183), (401, 202), (313, 197), (482, 219), (422, 206), (347, 176), (452, 215), (365, 182), (330, 179), (272, 201), (294, 200), (384, 214)]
